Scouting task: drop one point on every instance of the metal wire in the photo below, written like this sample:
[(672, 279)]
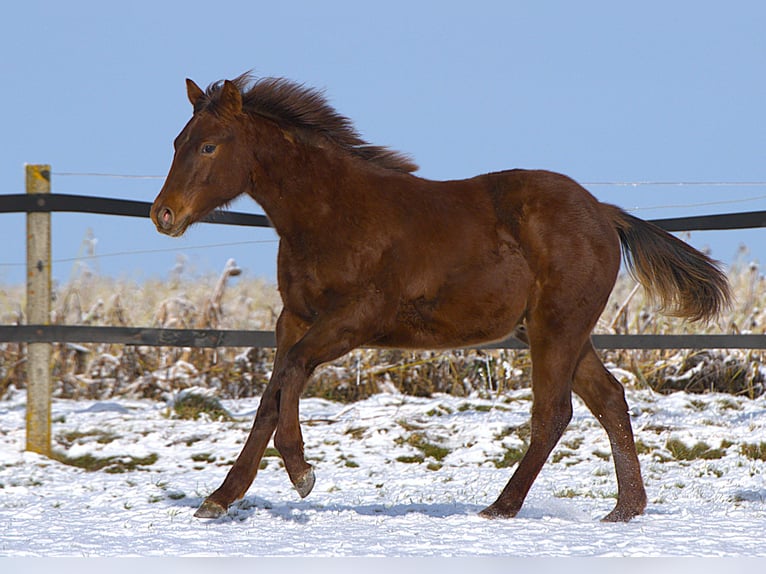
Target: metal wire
[(590, 183), (146, 252)]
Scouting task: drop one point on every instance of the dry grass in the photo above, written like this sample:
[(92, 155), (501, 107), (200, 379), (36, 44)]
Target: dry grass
[(230, 301)]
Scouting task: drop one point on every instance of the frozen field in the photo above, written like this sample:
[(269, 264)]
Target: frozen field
[(396, 477)]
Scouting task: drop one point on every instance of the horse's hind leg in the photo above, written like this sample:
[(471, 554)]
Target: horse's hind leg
[(605, 397), (554, 356)]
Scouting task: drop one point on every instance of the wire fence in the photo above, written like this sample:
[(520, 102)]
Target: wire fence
[(233, 218)]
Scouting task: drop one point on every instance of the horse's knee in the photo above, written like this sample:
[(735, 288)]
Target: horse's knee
[(550, 419)]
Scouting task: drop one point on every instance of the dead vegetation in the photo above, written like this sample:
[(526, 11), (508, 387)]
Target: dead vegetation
[(232, 300)]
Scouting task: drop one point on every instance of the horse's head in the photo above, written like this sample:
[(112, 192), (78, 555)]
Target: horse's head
[(210, 166)]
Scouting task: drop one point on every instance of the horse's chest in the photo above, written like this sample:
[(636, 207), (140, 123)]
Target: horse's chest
[(309, 291), (314, 280), (303, 295)]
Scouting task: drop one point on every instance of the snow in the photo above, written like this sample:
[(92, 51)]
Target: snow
[(368, 503)]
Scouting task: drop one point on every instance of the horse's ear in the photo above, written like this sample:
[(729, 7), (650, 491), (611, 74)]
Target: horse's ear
[(231, 97), (194, 92)]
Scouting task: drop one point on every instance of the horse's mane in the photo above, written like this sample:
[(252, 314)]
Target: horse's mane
[(307, 108)]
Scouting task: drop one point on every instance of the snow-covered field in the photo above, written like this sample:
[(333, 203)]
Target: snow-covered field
[(396, 476)]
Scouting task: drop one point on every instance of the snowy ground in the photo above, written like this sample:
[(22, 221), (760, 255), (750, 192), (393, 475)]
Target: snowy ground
[(383, 487)]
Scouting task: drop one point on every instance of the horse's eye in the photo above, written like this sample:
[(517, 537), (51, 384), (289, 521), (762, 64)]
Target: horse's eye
[(207, 149)]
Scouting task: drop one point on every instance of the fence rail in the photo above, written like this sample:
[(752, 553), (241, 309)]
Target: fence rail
[(52, 202), (38, 203), (141, 336), (214, 338), (60, 202)]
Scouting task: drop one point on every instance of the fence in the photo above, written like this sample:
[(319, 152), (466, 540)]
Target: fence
[(39, 202)]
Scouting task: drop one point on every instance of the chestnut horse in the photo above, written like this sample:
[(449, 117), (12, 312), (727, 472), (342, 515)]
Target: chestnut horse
[(370, 254)]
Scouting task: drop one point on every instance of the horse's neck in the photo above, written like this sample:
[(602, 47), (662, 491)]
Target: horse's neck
[(298, 194)]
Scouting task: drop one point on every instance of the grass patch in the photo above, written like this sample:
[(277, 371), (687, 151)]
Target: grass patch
[(356, 432), (643, 448), (67, 439), (408, 426), (439, 411), (510, 457), (572, 493), (109, 464), (411, 459), (564, 453), (191, 406), (679, 450), (481, 408), (658, 429), (514, 454), (566, 493), (574, 444), (523, 432), (568, 449), (729, 404), (348, 461), (270, 453), (203, 457), (429, 449), (603, 455), (754, 451), (191, 440), (696, 405)]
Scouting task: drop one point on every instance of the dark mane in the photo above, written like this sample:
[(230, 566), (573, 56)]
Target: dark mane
[(307, 108)]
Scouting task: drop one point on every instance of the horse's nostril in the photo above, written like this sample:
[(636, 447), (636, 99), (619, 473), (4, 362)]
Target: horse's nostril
[(166, 216)]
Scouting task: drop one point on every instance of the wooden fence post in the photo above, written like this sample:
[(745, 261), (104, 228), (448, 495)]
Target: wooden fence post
[(39, 387)]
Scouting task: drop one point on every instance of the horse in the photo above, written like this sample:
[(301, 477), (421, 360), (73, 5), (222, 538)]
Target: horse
[(372, 255)]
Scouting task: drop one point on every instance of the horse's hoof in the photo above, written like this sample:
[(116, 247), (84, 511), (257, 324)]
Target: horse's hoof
[(305, 483), (620, 515), (210, 509), (493, 511)]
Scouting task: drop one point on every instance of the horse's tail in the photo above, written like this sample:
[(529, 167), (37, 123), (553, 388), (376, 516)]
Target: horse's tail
[(685, 281)]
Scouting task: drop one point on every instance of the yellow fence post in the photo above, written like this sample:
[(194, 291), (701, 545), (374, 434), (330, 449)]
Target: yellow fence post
[(39, 387)]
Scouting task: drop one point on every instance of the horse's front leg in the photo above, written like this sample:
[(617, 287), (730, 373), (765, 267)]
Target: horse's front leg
[(240, 477), (330, 337)]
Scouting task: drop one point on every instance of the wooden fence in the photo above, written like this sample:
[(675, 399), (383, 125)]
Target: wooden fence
[(38, 202)]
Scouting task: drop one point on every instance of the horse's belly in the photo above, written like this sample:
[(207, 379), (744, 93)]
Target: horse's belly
[(483, 302), (435, 325)]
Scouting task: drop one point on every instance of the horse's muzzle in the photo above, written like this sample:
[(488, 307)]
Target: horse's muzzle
[(166, 222)]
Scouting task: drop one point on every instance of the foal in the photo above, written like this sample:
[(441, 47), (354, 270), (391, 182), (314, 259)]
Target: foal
[(373, 255)]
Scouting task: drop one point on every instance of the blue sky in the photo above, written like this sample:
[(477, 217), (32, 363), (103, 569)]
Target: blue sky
[(601, 91)]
